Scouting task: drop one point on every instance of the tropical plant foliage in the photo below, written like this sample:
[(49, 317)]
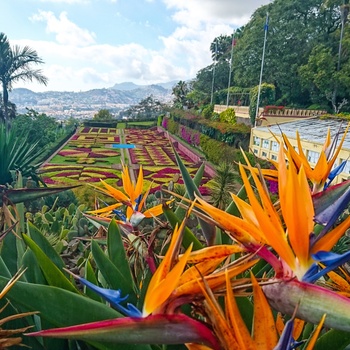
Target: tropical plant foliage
[(146, 286)]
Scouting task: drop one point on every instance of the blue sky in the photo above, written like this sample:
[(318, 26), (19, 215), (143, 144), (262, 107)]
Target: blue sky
[(89, 44)]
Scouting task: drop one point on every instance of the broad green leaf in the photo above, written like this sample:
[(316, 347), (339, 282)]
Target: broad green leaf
[(58, 306), (116, 251), (33, 272), (52, 273), (333, 339), (111, 273), (4, 271), (9, 253), (246, 309), (44, 245)]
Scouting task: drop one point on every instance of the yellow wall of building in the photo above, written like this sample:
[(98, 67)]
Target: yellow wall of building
[(268, 148)]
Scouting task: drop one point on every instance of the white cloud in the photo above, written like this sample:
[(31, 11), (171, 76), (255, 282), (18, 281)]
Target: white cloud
[(76, 61), (194, 12), (66, 1), (67, 32)]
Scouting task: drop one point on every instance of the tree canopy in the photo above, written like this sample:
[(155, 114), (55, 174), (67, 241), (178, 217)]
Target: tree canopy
[(306, 57), (103, 114), (148, 108)]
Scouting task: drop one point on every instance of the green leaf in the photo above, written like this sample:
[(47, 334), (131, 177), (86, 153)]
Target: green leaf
[(154, 329), (4, 270), (208, 229), (111, 273), (188, 236), (90, 276), (52, 273), (181, 212), (58, 306), (246, 309), (35, 234), (62, 308), (9, 253), (191, 187), (333, 339), (30, 194), (116, 252), (33, 272)]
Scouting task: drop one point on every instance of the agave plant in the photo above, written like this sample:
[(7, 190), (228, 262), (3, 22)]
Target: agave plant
[(16, 154)]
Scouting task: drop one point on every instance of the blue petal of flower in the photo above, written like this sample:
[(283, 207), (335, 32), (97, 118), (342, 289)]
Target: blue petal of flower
[(138, 201), (310, 273), (327, 216), (114, 297), (336, 171), (286, 340), (330, 260), (120, 214)]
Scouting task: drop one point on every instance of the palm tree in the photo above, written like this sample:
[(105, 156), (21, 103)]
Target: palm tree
[(224, 182), (180, 90), (15, 65)]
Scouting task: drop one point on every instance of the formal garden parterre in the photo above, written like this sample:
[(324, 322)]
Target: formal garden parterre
[(95, 153)]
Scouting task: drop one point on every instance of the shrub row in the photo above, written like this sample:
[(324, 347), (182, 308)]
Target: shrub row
[(235, 135)]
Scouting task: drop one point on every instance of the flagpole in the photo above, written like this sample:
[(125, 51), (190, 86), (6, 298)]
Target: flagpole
[(230, 72), (212, 83), (262, 67)]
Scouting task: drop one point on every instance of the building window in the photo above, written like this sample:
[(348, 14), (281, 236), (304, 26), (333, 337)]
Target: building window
[(273, 157), (275, 146), (347, 167), (264, 154), (255, 151), (257, 141), (266, 144), (313, 156)]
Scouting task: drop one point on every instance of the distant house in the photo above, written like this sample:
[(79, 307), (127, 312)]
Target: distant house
[(312, 131)]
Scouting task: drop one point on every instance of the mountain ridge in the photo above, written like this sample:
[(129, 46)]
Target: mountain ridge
[(84, 104)]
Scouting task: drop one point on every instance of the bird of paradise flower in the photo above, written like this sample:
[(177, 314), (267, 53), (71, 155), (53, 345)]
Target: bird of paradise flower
[(321, 175), (131, 197), (292, 235), (176, 282)]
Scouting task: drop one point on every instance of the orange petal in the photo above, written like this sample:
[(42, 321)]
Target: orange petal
[(214, 280), (139, 183), (105, 209), (234, 317), (315, 335), (331, 238), (265, 334), (159, 293), (238, 228), (113, 192), (214, 252)]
